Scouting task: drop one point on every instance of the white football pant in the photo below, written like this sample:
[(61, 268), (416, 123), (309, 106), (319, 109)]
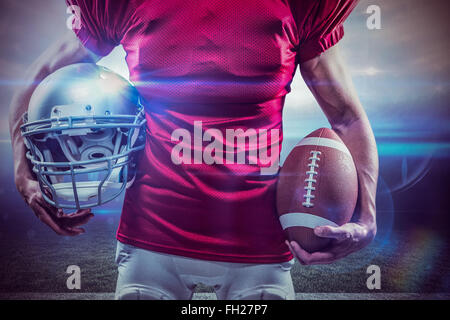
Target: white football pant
[(145, 274)]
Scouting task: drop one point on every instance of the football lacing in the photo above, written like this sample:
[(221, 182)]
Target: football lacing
[(310, 178)]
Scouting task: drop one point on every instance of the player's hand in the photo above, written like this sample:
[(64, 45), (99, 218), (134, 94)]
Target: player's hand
[(56, 219), (346, 239)]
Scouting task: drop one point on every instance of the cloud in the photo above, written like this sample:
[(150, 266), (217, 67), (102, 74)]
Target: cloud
[(413, 40)]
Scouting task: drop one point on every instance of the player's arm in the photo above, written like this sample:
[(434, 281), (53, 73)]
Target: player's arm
[(329, 81), (68, 50)]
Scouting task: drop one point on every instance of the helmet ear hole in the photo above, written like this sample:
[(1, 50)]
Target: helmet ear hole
[(97, 155)]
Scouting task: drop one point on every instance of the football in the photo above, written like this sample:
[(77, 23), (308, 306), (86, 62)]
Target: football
[(317, 186)]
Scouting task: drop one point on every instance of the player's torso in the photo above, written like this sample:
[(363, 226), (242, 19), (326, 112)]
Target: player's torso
[(202, 50), (209, 66)]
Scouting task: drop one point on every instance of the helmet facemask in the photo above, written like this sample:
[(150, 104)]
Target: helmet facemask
[(82, 155)]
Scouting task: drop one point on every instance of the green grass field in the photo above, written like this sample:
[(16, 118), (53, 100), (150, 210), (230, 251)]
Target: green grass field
[(35, 261)]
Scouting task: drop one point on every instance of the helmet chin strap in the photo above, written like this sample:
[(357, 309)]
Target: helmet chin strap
[(86, 190)]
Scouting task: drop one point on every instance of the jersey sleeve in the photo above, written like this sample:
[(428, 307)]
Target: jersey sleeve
[(101, 23), (320, 25)]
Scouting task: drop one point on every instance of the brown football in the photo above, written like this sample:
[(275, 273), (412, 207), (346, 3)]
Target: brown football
[(317, 186)]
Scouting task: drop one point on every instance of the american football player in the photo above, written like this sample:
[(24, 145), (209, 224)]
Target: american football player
[(229, 65)]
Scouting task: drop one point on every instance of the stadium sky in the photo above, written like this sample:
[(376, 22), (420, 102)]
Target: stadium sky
[(400, 71)]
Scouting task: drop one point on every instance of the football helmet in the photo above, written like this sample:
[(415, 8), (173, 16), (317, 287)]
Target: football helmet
[(83, 130)]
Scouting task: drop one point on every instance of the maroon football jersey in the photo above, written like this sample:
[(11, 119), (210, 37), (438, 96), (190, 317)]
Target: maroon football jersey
[(214, 75)]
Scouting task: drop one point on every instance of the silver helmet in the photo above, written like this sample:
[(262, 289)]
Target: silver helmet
[(83, 129)]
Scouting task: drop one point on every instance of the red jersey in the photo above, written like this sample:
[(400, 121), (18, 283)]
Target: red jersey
[(214, 74)]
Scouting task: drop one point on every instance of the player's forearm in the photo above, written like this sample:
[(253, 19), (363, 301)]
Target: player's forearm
[(331, 84), (358, 137), (66, 51)]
